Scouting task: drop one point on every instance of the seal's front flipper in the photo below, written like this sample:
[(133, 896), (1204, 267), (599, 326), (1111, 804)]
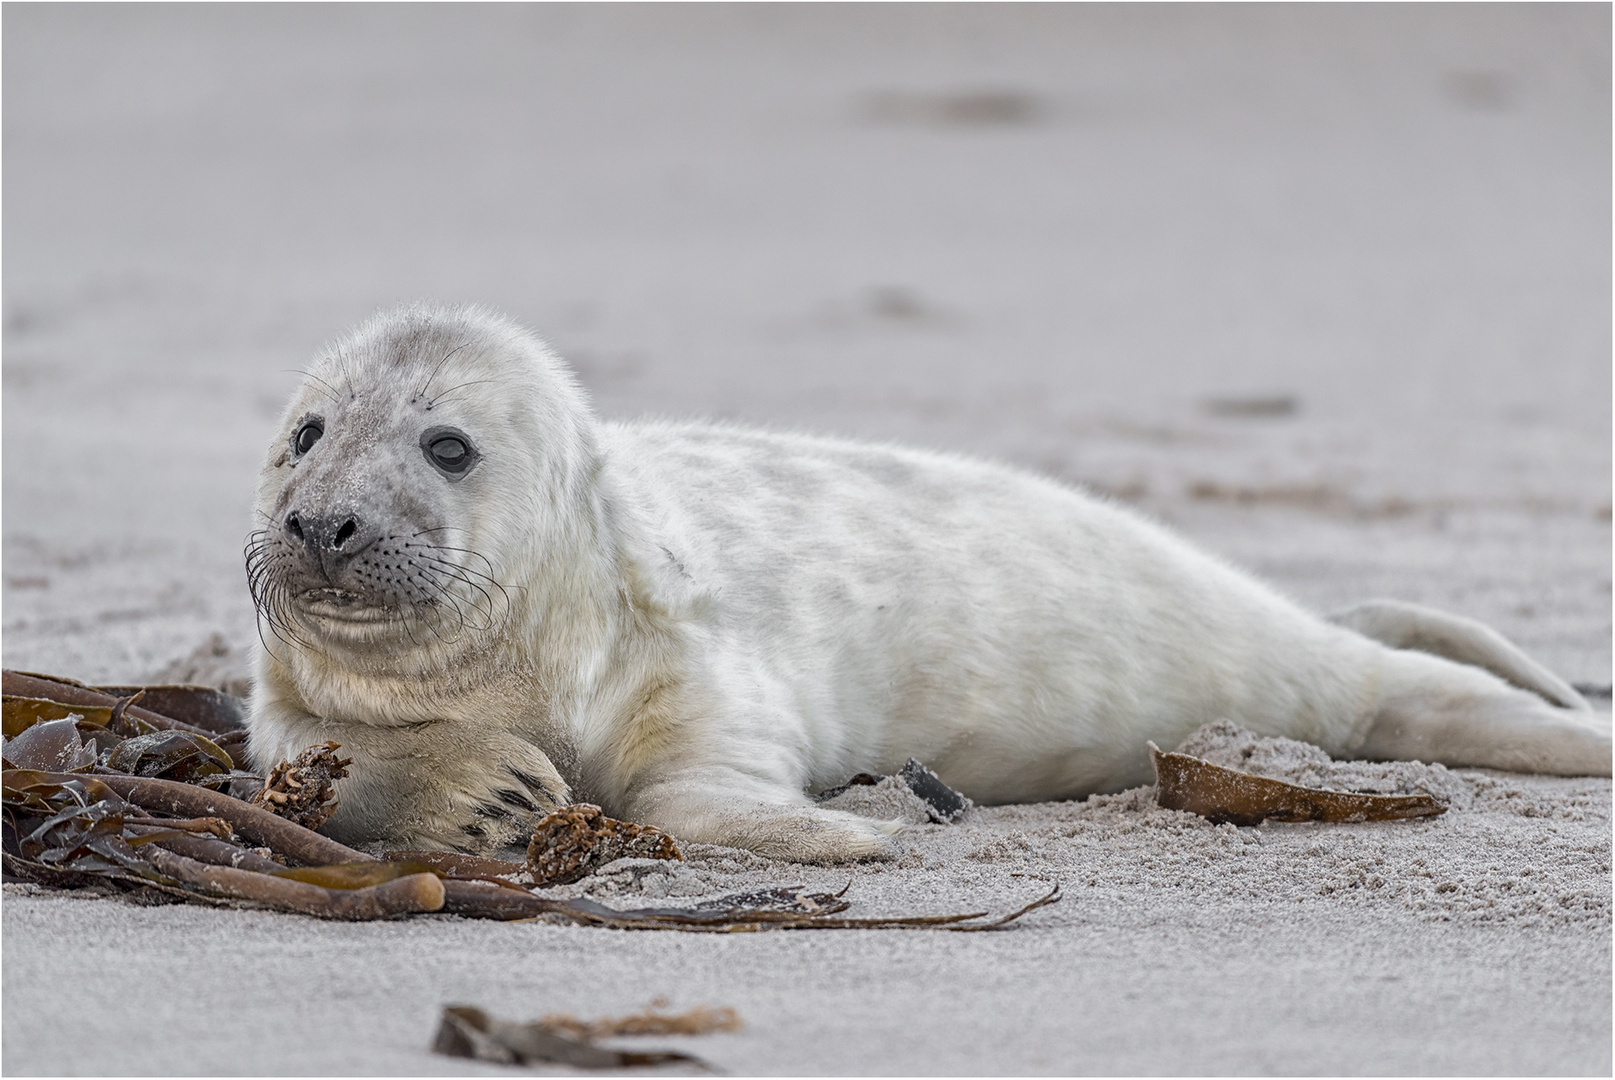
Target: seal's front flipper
[(1410, 626), (739, 812)]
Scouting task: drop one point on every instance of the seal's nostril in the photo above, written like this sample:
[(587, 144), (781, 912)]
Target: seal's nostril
[(348, 529), (294, 526)]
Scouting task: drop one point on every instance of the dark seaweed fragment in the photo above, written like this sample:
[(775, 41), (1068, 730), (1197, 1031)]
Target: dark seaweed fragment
[(469, 1032), (945, 804), (942, 803)]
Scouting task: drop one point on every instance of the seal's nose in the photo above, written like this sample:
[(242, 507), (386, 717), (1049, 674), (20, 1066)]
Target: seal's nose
[(331, 539)]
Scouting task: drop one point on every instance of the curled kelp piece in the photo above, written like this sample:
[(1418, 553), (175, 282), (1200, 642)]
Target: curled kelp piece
[(576, 840), (304, 789), (46, 792), (1227, 795), (469, 1032)]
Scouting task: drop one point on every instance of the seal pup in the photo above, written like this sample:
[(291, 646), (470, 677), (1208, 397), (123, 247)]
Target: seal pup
[(498, 604)]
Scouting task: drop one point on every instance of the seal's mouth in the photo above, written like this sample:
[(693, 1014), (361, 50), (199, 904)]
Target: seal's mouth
[(343, 606)]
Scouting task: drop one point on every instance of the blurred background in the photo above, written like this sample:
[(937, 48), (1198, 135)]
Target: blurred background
[(1327, 288)]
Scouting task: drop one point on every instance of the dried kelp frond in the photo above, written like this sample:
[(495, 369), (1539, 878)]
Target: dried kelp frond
[(575, 840), (471, 1033), (173, 755), (50, 746), (1220, 794), (200, 706), (405, 894), (22, 713), (468, 867), (729, 915), (182, 835), (354, 875), (52, 792), (254, 825), (304, 789), (68, 822), (789, 899), (18, 684), (700, 1020)]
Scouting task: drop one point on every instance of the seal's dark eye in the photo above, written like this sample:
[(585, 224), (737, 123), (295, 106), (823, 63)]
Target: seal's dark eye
[(307, 436), (450, 451)]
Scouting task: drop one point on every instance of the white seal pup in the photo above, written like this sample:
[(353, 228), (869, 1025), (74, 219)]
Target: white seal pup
[(497, 603)]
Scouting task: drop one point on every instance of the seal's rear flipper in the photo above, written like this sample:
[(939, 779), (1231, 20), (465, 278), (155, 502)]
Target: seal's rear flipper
[(1409, 626), (1432, 709)]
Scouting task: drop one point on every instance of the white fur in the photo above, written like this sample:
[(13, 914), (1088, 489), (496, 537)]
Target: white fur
[(703, 623)]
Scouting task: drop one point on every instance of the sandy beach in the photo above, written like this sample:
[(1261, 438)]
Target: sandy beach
[(1326, 289)]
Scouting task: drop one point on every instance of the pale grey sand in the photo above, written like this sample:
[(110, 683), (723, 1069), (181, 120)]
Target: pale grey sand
[(1328, 289)]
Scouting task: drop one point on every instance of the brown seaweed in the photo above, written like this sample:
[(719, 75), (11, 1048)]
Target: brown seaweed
[(77, 810), (21, 684), (730, 915), (454, 864), (303, 790), (50, 746), (700, 1020), (353, 875), (256, 826), (22, 713), (172, 755), (1227, 795), (403, 894), (199, 706), (206, 849), (576, 840), (469, 1032)]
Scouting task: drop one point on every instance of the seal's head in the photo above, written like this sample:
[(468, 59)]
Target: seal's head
[(428, 460)]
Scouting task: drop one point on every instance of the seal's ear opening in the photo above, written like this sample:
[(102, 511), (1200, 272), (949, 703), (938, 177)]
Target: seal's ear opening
[(449, 450)]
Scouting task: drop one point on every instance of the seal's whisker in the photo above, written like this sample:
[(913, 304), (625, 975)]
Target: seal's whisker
[(471, 570), (466, 551), (448, 594), (330, 391), (428, 383), (458, 574), (460, 386), (459, 613), (431, 575)]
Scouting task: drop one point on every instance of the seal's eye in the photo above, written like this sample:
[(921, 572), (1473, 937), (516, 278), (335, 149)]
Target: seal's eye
[(307, 436), (450, 451)]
